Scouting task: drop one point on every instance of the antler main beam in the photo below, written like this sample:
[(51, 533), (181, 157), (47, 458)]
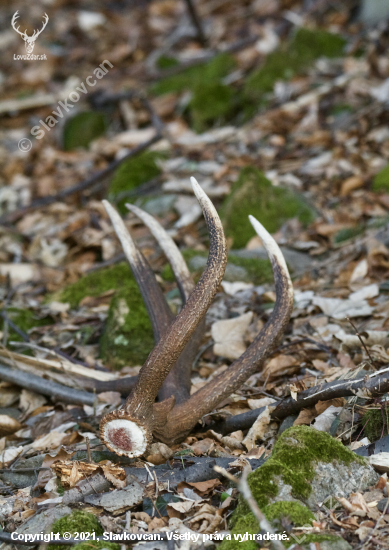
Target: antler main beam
[(129, 430)]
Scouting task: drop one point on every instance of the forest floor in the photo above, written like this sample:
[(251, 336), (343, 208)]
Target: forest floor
[(283, 114)]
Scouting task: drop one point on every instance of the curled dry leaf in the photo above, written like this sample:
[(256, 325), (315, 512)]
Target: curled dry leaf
[(257, 430), (71, 472), (8, 456), (8, 425), (207, 520)]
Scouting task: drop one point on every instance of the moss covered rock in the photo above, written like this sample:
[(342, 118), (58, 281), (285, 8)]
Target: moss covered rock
[(250, 270), (76, 522), (82, 128), (254, 194), (130, 174), (306, 467), (381, 180), (291, 58), (127, 338)]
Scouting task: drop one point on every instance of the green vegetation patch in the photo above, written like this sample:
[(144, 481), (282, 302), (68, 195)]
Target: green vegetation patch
[(127, 338), (130, 174), (193, 77), (81, 129), (25, 320), (96, 545), (251, 270), (381, 180), (348, 233), (254, 194), (212, 101), (291, 58), (375, 422), (76, 522), (297, 513)]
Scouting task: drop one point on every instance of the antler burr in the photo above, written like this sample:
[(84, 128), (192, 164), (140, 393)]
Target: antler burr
[(166, 373)]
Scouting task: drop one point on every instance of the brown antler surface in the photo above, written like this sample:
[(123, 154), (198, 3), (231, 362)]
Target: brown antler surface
[(177, 382), (129, 430)]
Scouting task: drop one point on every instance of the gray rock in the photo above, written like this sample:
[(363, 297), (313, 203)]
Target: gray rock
[(337, 479), (20, 481), (332, 479), (42, 523), (119, 500)]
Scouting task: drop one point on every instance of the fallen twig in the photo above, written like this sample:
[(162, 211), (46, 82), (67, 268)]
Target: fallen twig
[(46, 387), (244, 488)]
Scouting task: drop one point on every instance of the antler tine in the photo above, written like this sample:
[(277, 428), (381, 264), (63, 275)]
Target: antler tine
[(181, 272), (128, 431), (185, 416), (157, 307), (46, 19), (13, 22), (177, 382)]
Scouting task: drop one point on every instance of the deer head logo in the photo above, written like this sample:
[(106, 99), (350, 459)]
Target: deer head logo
[(29, 40)]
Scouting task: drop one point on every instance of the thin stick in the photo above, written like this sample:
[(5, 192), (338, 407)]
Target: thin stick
[(362, 342), (196, 21), (244, 488)]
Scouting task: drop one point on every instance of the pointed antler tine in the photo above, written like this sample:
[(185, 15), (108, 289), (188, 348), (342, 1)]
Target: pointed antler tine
[(185, 416), (129, 430), (181, 272), (177, 382), (157, 307)]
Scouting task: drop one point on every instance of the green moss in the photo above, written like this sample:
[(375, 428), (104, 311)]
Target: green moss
[(254, 194), (211, 72), (166, 62), (131, 174), (297, 513), (96, 545), (76, 522), (253, 270), (82, 128), (127, 338), (381, 180), (348, 233), (294, 457), (374, 425), (25, 320), (211, 103), (292, 57)]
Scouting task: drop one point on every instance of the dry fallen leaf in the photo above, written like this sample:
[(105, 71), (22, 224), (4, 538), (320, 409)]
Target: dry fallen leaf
[(229, 336)]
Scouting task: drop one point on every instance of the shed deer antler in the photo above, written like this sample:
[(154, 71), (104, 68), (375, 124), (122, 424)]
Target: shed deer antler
[(166, 373), (29, 40)]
